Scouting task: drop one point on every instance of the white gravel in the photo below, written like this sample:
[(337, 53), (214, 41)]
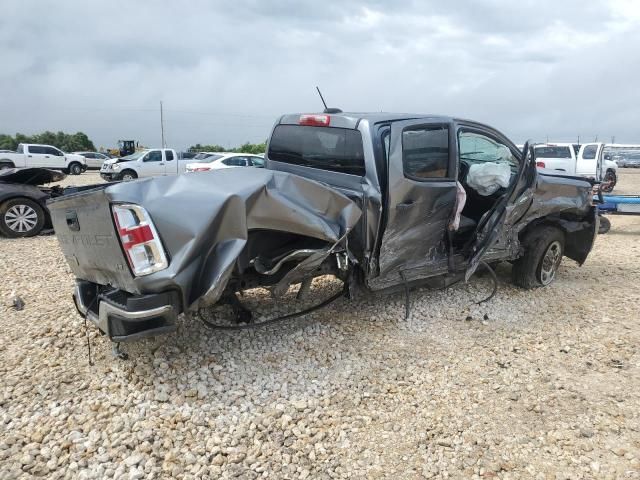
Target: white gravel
[(535, 384)]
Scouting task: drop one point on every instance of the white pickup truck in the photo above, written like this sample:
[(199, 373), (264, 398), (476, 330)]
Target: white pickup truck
[(585, 160), (144, 163), (29, 155)]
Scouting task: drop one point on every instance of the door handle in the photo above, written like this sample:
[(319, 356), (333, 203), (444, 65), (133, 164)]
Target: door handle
[(46, 156), (161, 163), (30, 156)]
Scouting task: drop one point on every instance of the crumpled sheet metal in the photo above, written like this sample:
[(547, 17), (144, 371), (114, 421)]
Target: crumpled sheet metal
[(204, 220)]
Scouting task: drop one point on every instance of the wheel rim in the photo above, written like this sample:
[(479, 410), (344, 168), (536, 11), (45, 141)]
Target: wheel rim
[(21, 218), (127, 177), (550, 262)]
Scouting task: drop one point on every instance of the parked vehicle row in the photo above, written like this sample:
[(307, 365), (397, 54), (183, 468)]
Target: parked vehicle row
[(165, 161), (383, 202), (216, 161)]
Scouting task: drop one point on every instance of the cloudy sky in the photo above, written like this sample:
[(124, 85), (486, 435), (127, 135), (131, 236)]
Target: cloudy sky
[(226, 70)]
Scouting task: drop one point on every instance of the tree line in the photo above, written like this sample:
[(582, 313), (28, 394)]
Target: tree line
[(67, 142), (254, 148), (78, 142)]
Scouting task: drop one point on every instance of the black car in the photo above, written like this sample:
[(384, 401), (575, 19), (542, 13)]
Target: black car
[(23, 210)]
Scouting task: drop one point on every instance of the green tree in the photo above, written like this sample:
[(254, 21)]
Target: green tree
[(64, 141), (253, 148)]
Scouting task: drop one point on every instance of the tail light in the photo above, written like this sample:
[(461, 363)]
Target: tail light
[(200, 169), (315, 120), (139, 239), (541, 164)]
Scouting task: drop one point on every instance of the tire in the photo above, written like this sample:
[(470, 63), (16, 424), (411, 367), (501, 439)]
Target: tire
[(609, 181), (605, 225), (21, 217), (75, 168), (6, 165), (544, 249), (128, 175)]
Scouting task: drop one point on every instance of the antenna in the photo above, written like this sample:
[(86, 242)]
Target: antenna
[(321, 98), (162, 125)]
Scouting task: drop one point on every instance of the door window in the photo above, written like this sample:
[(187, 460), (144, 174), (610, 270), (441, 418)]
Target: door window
[(169, 155), (257, 161), (235, 162), (479, 148), (425, 152), (590, 152), (153, 156), (53, 151), (37, 149)]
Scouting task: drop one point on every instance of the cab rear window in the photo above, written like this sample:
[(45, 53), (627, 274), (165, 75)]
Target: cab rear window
[(552, 152), (326, 148)]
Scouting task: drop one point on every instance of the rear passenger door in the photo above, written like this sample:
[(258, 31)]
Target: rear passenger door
[(588, 160), (36, 156), (171, 165), (421, 197)]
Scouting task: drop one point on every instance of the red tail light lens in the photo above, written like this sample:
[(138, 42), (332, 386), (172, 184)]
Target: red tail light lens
[(139, 239), (541, 164), (315, 120)]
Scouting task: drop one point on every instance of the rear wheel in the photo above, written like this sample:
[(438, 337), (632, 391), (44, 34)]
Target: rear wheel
[(6, 165), (544, 249), (605, 225), (75, 169), (21, 217), (609, 181), (129, 175)]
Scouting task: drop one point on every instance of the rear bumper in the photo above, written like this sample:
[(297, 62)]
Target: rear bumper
[(125, 317)]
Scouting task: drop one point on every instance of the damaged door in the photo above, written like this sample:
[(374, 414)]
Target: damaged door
[(493, 222), (420, 200)]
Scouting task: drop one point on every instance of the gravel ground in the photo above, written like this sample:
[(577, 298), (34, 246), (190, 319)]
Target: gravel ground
[(535, 384)]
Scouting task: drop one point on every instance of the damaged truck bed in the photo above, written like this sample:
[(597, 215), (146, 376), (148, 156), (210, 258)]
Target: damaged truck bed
[(381, 201)]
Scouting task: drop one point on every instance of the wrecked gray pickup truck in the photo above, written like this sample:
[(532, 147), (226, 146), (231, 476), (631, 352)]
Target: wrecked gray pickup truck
[(383, 202)]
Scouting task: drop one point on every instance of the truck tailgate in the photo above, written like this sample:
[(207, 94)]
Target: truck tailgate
[(87, 235)]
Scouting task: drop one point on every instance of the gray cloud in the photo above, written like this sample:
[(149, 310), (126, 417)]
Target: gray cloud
[(225, 70)]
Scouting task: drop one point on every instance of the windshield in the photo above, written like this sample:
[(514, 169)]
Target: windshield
[(327, 148), (134, 156)]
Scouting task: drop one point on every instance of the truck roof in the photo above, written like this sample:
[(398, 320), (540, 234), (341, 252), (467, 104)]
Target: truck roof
[(351, 119)]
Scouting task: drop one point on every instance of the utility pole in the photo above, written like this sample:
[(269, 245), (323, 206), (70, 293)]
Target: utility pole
[(613, 139), (162, 124)]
